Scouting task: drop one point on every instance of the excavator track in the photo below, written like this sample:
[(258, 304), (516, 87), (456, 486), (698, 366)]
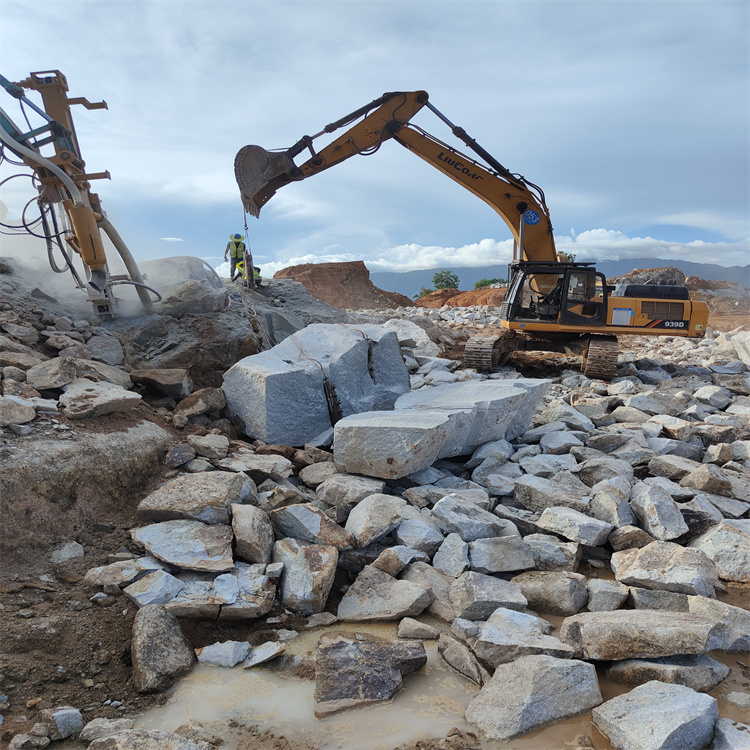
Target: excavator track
[(600, 358), (484, 351)]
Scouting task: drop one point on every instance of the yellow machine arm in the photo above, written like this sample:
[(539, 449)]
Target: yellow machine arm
[(521, 204)]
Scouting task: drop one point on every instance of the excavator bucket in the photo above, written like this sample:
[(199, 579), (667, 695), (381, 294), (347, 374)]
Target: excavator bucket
[(259, 174)]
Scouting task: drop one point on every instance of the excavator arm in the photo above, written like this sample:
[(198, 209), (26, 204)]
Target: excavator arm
[(260, 173)]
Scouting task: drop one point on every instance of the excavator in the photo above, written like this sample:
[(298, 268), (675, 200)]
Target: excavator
[(71, 216), (552, 304)]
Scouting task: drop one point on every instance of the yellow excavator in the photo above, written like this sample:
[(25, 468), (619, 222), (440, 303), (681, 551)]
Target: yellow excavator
[(552, 304)]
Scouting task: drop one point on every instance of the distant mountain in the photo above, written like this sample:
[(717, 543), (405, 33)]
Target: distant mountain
[(410, 282)]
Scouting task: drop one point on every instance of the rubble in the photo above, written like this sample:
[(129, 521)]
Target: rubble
[(475, 500)]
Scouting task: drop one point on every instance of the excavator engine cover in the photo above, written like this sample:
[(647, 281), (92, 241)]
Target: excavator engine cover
[(259, 174)]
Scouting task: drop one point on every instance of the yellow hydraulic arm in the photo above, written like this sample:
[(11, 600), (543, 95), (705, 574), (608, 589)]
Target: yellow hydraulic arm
[(521, 204)]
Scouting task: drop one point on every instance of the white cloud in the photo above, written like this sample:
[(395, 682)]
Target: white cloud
[(171, 239)]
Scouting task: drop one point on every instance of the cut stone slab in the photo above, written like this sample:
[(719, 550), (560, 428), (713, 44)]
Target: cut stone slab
[(351, 673), (700, 672), (508, 635), (191, 545), (389, 445), (575, 526), (279, 395), (667, 566), (476, 596), (729, 548), (84, 399), (556, 593), (375, 595), (532, 692), (657, 716), (308, 574), (642, 633), (160, 652), (203, 497), (310, 524)]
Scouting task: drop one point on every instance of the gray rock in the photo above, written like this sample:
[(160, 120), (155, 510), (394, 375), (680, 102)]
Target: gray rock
[(209, 446), (575, 526), (309, 570), (420, 535), (645, 634), (253, 533), (409, 628), (138, 739), (657, 512), (463, 517), (188, 544), (198, 497), (537, 494), (668, 567), (556, 593), (729, 548), (666, 601), (393, 560), (609, 502), (310, 524), (122, 572), (61, 721), (597, 470), (461, 658), (225, 654), (263, 653), (160, 652), (605, 596), (12, 412), (100, 728), (736, 619), (476, 596), (351, 673), (346, 489), (699, 672), (375, 595), (500, 555), (374, 517), (65, 552), (158, 587), (532, 692), (731, 735), (452, 557), (657, 716), (551, 553), (627, 537), (438, 585), (172, 382)]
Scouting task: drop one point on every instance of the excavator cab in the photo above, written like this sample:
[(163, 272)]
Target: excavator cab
[(542, 295)]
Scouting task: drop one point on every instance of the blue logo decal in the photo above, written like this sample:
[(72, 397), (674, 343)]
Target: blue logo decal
[(531, 217)]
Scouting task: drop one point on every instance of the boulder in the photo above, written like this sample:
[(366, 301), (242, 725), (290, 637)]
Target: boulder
[(657, 512), (476, 596), (253, 533), (461, 658), (532, 692), (646, 634), (457, 515), (308, 574), (736, 620), (351, 673), (310, 524), (84, 399), (374, 517), (438, 585), (658, 716), (575, 526), (556, 593), (500, 555), (699, 672), (729, 548)]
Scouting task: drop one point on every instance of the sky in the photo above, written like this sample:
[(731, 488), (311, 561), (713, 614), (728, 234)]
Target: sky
[(632, 116)]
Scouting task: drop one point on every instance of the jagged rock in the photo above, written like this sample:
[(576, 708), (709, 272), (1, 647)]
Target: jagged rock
[(194, 730), (457, 515), (697, 671), (532, 692), (731, 735), (200, 497), (556, 593), (645, 634), (461, 658), (575, 526), (374, 517), (310, 524), (729, 548), (609, 502), (315, 474), (309, 570), (100, 728), (61, 722), (249, 596), (263, 653), (84, 399), (508, 635), (375, 595), (551, 553), (351, 673), (345, 489), (393, 560), (13, 412), (438, 585), (500, 555), (225, 654), (665, 601), (657, 512), (139, 739), (605, 596), (537, 494), (122, 572), (627, 537), (410, 628), (209, 446), (160, 652), (253, 533), (476, 596), (666, 566), (158, 587), (570, 416), (191, 545), (656, 716), (596, 470), (203, 401), (736, 619), (452, 557)]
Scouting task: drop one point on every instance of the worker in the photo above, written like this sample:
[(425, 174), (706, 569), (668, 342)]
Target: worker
[(241, 272), (236, 250), (256, 276)]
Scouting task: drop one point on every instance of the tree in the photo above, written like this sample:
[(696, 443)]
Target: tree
[(423, 292), (444, 279), (487, 282)]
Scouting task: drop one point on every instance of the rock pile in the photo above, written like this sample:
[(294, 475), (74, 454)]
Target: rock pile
[(647, 476)]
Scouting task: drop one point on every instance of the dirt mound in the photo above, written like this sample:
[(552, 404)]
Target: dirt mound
[(697, 283), (455, 298), (343, 285)]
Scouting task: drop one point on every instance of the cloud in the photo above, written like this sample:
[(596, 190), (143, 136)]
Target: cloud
[(171, 239)]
